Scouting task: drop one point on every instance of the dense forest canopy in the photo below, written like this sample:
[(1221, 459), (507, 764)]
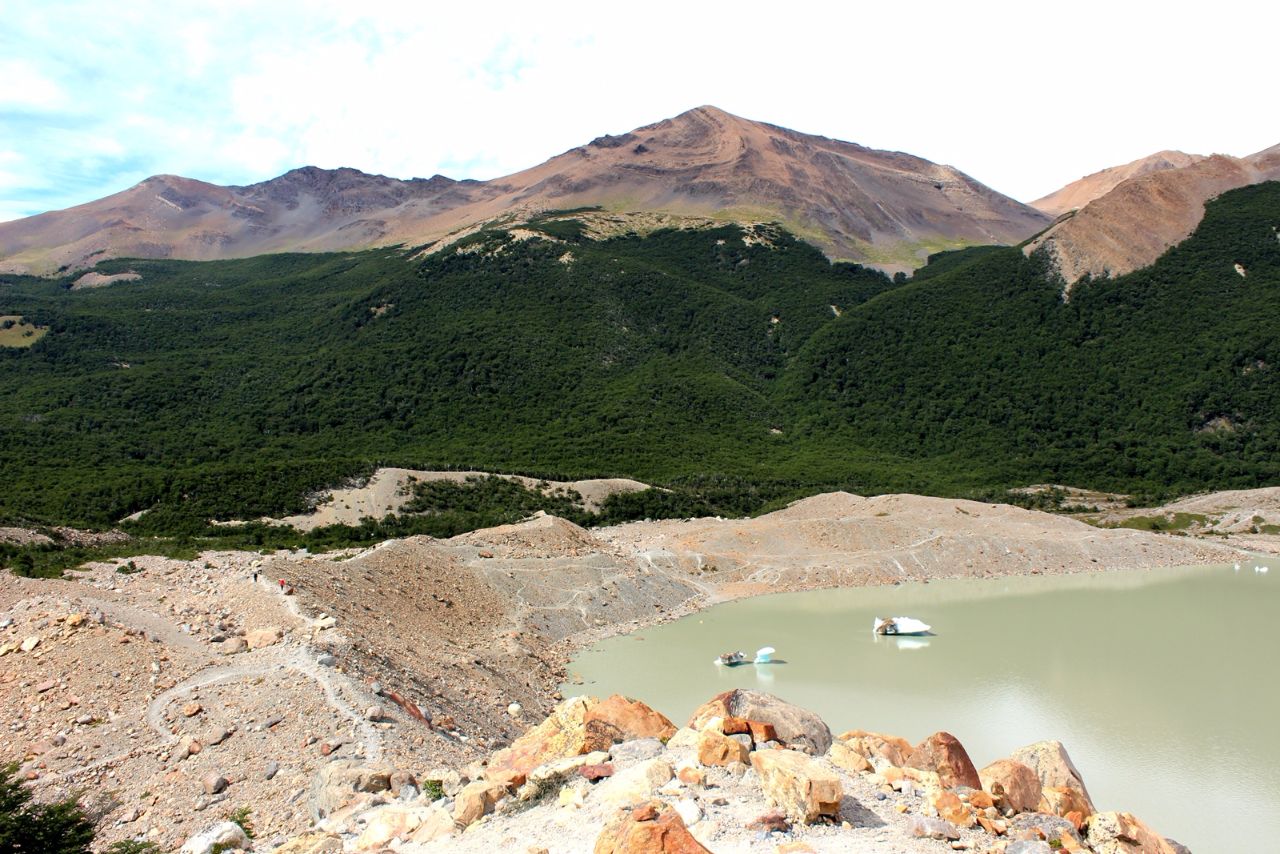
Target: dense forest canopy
[(237, 389)]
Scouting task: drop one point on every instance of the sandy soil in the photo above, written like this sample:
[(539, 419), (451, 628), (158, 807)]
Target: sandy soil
[(389, 488)]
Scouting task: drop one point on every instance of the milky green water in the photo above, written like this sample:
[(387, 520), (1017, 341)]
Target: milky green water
[(1164, 685)]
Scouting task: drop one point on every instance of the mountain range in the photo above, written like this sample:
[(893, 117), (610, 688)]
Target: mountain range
[(885, 209)]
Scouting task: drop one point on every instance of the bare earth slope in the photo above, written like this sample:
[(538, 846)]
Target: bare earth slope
[(130, 668), (1079, 193), (886, 208), (1135, 223)]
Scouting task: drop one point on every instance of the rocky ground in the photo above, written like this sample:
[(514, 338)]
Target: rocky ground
[(173, 692)]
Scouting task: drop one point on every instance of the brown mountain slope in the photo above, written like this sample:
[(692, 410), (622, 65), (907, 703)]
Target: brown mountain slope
[(883, 208), (1077, 194), (1142, 217)]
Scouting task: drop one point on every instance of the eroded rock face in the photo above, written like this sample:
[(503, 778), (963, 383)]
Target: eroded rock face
[(562, 734), (1053, 766), (653, 828), (1013, 785), (797, 784), (794, 726), (844, 756), (943, 753), (1124, 833), (621, 719), (1064, 801), (403, 822)]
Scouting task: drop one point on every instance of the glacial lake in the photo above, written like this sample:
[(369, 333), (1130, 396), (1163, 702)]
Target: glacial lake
[(1164, 685)]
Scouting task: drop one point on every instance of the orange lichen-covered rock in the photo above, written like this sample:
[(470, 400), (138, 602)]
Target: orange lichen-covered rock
[(942, 752), (623, 719), (653, 828)]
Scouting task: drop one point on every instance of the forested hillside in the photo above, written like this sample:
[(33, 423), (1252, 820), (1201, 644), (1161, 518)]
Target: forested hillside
[(236, 389)]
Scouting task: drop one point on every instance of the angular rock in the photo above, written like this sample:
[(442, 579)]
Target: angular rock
[(231, 646), (652, 829), (844, 756), (942, 752), (1012, 785), (191, 709), (635, 750), (794, 726), (871, 745), (770, 822), (1036, 825), (1053, 767), (340, 782), (621, 719), (551, 776), (259, 638), (1124, 833), (1028, 846), (313, 842), (797, 784), (951, 808), (684, 737), (213, 783), (562, 734), (597, 772), (633, 785), (717, 749), (400, 821), (226, 834), (476, 800), (932, 828), (29, 644), (1065, 801)]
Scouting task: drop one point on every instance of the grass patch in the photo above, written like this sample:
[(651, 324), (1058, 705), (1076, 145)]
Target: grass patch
[(16, 332)]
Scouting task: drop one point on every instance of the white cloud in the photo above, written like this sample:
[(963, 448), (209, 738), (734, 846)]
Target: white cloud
[(26, 88)]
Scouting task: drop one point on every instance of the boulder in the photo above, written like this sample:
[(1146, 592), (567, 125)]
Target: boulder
[(402, 821), (562, 734), (621, 719), (844, 756), (259, 638), (653, 828), (231, 646), (684, 737), (795, 727), (942, 752), (552, 775), (633, 785), (475, 800), (1124, 833), (1012, 785), (339, 783), (797, 784), (891, 748), (314, 842), (717, 749), (636, 750), (1066, 802), (1053, 766), (226, 834), (213, 783)]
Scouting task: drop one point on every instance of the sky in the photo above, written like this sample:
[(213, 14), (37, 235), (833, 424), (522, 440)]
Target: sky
[(1024, 97)]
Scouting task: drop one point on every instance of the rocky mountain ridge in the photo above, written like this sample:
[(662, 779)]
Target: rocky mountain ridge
[(1141, 217), (886, 209)]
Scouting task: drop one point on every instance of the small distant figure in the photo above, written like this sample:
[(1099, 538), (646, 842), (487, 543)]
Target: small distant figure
[(255, 576), (282, 585)]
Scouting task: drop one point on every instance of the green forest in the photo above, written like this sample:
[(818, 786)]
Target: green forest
[(739, 369)]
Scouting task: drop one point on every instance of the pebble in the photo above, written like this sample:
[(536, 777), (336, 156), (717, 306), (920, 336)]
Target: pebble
[(213, 783), (272, 769)]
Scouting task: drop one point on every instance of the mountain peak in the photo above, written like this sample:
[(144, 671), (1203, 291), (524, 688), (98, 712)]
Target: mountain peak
[(883, 209)]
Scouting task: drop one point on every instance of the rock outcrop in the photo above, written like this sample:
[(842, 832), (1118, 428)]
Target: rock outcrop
[(795, 727)]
